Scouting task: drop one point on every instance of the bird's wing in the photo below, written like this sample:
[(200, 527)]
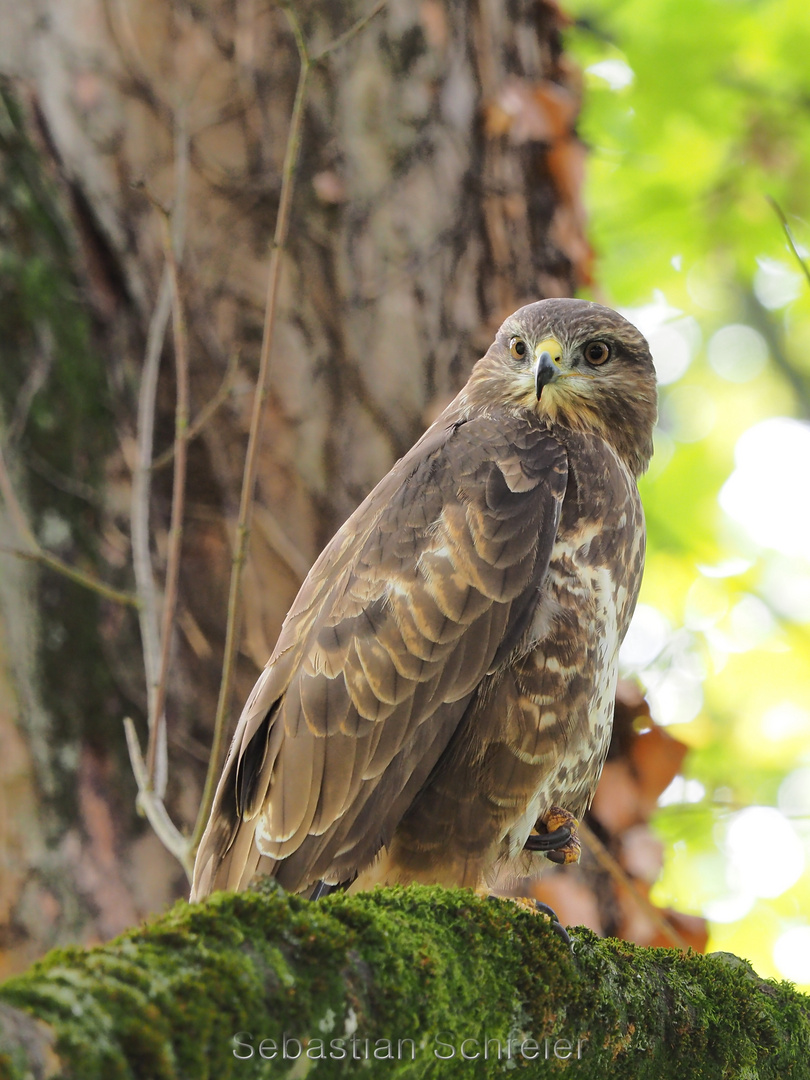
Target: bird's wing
[(426, 587)]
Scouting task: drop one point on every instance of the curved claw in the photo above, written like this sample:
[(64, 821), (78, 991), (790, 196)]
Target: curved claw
[(556, 925), (549, 841), (547, 909), (541, 909), (562, 934)]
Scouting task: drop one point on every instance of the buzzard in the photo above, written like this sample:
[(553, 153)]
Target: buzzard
[(440, 700)]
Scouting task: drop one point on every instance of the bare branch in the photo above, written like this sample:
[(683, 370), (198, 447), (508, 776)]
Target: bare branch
[(14, 508), (142, 477), (38, 554), (205, 413), (262, 383), (178, 502), (254, 438), (306, 63), (39, 371), (44, 558), (355, 28), (141, 487), (609, 863), (152, 806), (70, 485), (281, 544), (805, 269), (763, 321)]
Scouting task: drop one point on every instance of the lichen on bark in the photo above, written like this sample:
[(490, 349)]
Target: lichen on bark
[(401, 982), (423, 213), (53, 399)]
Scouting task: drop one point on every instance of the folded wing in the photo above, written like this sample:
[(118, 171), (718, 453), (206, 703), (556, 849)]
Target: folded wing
[(425, 589)]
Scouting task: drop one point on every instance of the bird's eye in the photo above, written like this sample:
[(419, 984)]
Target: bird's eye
[(597, 352), (517, 348)]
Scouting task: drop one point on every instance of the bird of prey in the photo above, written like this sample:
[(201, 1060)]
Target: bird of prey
[(440, 700)]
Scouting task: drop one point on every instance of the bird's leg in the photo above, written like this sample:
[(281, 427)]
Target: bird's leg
[(555, 835)]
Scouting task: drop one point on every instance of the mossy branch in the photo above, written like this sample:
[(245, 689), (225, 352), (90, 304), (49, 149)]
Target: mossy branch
[(395, 981)]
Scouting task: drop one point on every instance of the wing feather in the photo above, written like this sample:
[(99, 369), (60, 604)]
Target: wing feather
[(396, 625)]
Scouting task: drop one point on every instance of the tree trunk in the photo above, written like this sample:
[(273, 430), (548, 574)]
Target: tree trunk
[(438, 189), (402, 982)]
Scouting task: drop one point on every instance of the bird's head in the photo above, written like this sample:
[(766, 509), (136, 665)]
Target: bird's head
[(579, 366)]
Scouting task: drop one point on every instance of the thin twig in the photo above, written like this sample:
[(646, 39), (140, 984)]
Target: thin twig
[(280, 543), (205, 414), (44, 558), (609, 863), (789, 234), (38, 373), (770, 329), (141, 485), (142, 477), (178, 501), (14, 507), (38, 554), (254, 438), (262, 384), (347, 35), (70, 485), (153, 807)]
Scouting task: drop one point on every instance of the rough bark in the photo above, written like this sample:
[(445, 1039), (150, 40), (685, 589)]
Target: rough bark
[(66, 792), (205, 983), (438, 189)]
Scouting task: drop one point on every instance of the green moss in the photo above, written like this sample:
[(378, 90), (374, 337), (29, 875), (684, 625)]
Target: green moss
[(430, 965)]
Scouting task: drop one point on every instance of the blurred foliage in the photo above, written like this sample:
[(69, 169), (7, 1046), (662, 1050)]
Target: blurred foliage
[(698, 112)]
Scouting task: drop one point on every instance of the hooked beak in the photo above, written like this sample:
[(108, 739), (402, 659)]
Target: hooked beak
[(546, 368)]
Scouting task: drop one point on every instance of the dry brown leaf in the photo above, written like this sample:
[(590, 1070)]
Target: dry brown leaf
[(616, 804), (571, 899), (656, 759), (434, 23), (531, 112), (692, 928), (642, 854)]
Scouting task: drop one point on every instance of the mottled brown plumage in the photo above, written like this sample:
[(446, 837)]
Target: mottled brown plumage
[(446, 674)]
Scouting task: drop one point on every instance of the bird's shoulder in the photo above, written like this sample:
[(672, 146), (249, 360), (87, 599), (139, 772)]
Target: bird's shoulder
[(488, 485), (468, 470), (601, 490)]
